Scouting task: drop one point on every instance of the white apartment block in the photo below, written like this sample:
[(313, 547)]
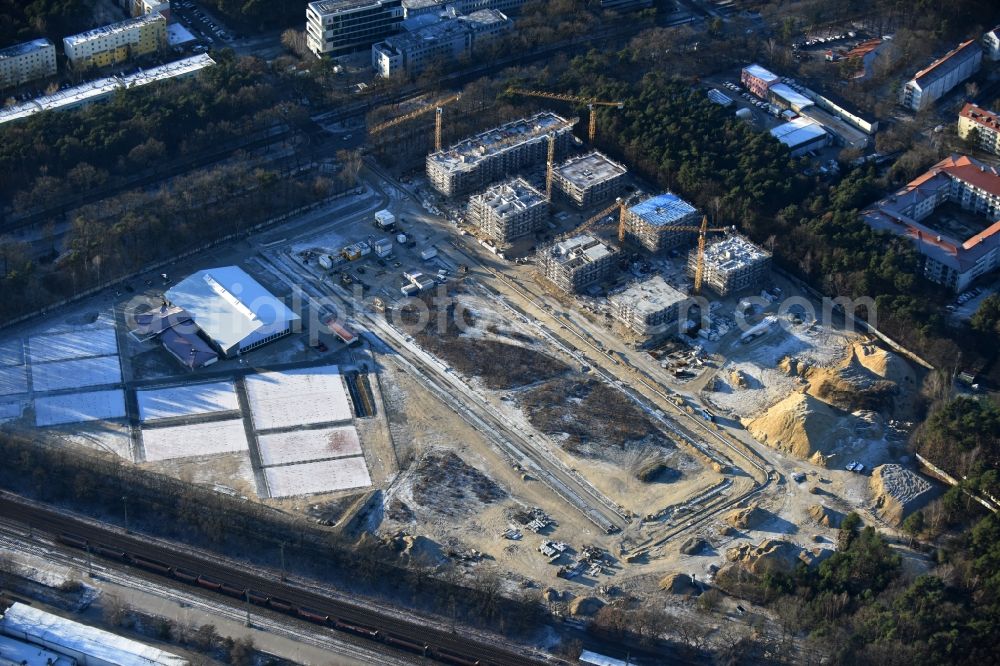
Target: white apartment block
[(932, 83), (25, 62), (991, 42)]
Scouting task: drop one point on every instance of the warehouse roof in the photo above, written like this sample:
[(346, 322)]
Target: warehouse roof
[(25, 654), (663, 210), (57, 632), (228, 305), (796, 100), (798, 132)]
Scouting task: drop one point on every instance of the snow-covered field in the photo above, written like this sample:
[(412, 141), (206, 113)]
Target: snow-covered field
[(317, 477), (305, 445), (298, 397), (11, 352), (10, 411), (199, 439), (77, 407), (77, 344), (187, 400), (13, 379), (76, 374)]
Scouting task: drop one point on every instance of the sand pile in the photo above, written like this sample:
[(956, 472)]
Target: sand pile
[(825, 516), (677, 583), (739, 379), (853, 386), (585, 605), (884, 363), (801, 425), (747, 518), (693, 546), (793, 367), (897, 492), (770, 555)]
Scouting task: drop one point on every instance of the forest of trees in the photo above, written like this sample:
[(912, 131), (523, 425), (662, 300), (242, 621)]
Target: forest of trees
[(261, 15), (23, 20)]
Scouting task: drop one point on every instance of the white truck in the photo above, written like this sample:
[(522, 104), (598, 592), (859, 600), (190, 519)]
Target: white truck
[(385, 220)]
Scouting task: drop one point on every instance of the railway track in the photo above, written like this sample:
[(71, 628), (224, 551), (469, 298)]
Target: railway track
[(135, 551)]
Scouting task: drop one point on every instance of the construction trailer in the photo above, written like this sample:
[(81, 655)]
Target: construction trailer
[(577, 263), (588, 180), (649, 222), (731, 265), (495, 154), (385, 220), (648, 308), (509, 210)]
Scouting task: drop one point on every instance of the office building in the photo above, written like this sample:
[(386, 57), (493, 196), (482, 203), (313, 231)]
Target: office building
[(339, 27), (952, 215), (509, 211), (413, 8), (577, 263), (981, 127), (648, 308), (649, 223), (25, 62), (588, 180), (117, 43), (931, 83), (495, 154), (758, 80), (731, 265), (408, 53)]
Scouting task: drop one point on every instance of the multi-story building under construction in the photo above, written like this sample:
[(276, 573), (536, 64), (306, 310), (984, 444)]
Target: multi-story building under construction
[(731, 265), (648, 223), (577, 263), (495, 154), (588, 180), (509, 210), (648, 308)]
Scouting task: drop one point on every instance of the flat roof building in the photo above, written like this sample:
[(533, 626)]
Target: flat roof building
[(509, 211), (731, 265), (758, 80), (991, 44), (80, 643), (232, 309), (407, 54), (339, 27), (588, 180), (648, 222), (25, 62), (116, 43), (101, 89), (413, 8), (788, 98), (577, 263), (801, 135), (648, 308), (495, 154), (981, 127), (931, 83), (955, 251)]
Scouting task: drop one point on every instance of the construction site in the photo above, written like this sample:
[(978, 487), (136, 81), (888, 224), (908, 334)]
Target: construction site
[(648, 223), (509, 210), (495, 154), (649, 308), (588, 180), (577, 263), (731, 264)]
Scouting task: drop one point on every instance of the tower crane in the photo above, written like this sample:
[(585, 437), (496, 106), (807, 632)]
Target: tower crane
[(621, 205), (590, 102), (437, 107)]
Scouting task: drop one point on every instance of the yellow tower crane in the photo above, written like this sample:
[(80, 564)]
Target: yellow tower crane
[(590, 102), (438, 109), (619, 205)]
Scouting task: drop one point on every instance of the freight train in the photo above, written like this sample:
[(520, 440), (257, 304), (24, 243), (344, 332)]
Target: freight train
[(267, 601)]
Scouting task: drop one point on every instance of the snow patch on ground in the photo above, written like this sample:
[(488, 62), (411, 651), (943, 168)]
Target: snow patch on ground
[(76, 373), (306, 445), (298, 397), (77, 344), (187, 400), (78, 407), (13, 379), (317, 477), (198, 439)]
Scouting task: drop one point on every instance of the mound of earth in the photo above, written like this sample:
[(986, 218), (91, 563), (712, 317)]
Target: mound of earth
[(677, 583), (884, 363), (897, 492), (417, 549), (585, 605), (693, 546), (738, 379), (825, 516), (447, 484), (793, 367), (812, 557), (801, 425), (747, 518), (770, 555)]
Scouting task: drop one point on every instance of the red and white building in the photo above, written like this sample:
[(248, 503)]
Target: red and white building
[(758, 80), (980, 126)]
